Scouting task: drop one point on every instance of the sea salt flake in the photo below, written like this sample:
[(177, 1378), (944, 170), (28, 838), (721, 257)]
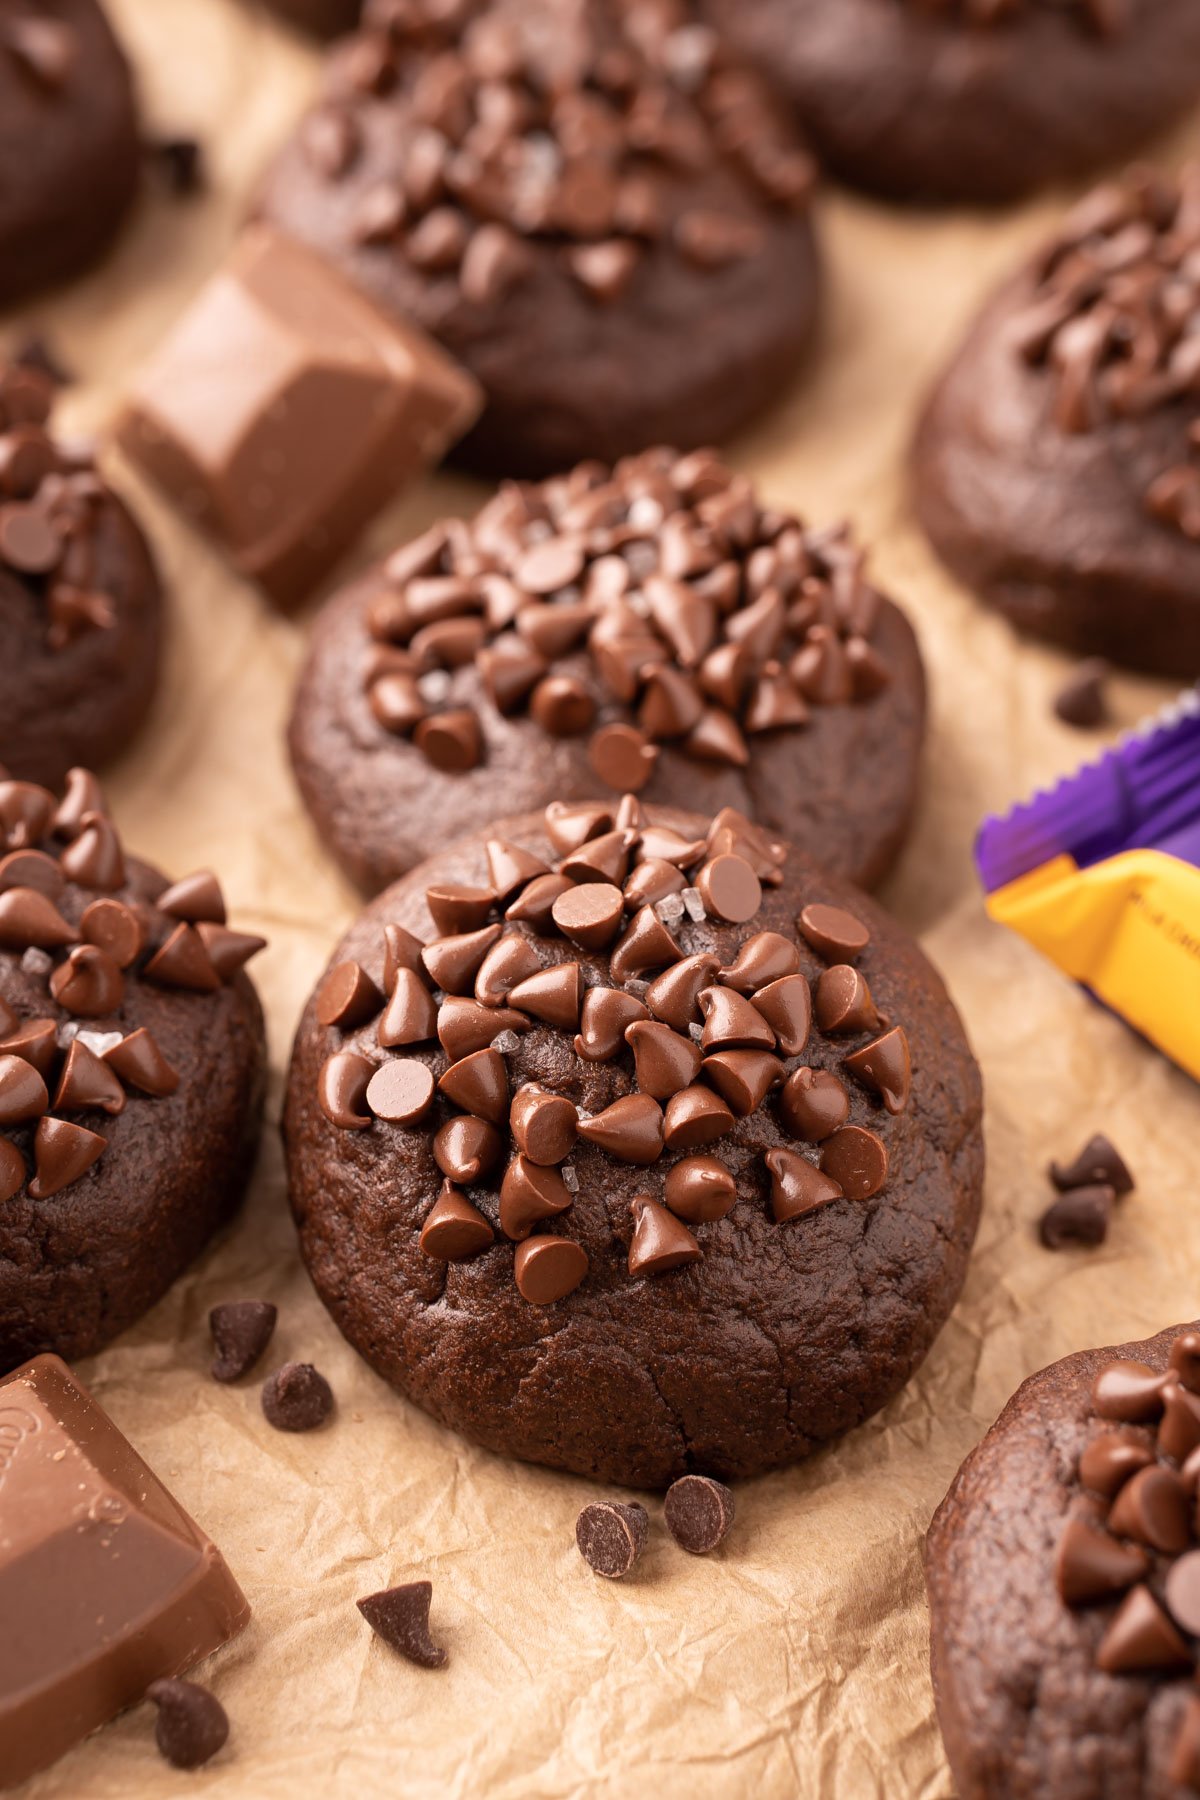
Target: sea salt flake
[(506, 1042), (694, 903), (99, 1041), (435, 685), (670, 909), (570, 1178), (36, 962)]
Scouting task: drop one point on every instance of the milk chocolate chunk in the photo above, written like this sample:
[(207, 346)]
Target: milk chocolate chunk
[(699, 1513), (611, 1536), (285, 409), (400, 1616), (297, 1397), (106, 1585), (192, 1725), (241, 1331)]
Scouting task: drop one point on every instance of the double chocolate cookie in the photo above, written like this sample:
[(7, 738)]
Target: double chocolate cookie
[(635, 1144), (80, 604), (587, 201), (972, 100), (652, 627), (69, 149), (1057, 466), (131, 1073), (1064, 1583)]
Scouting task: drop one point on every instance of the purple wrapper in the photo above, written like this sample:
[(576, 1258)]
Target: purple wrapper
[(1144, 794)]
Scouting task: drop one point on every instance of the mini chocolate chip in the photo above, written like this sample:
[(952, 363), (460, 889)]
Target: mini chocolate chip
[(699, 1513), (297, 1398), (1082, 700), (1080, 1216), (611, 1536), (1099, 1162), (191, 1725), (400, 1616), (241, 1331)]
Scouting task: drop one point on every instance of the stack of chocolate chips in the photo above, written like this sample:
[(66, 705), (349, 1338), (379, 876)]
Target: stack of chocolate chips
[(70, 925), (1135, 1539), (47, 498), (657, 602), (596, 948), (1114, 321), (569, 129)]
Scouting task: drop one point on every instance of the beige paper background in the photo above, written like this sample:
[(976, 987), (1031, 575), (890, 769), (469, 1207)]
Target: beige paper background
[(794, 1661)]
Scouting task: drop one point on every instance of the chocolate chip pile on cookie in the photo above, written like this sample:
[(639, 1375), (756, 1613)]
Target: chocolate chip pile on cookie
[(1132, 1541), (48, 497), (513, 133), (80, 939), (705, 1047), (1114, 321), (556, 189), (706, 615)]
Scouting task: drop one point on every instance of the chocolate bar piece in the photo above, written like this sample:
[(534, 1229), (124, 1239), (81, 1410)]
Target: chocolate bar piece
[(284, 410), (105, 1583)]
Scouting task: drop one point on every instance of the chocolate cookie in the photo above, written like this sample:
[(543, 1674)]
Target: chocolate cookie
[(80, 604), (1056, 468), (635, 1147), (652, 627), (970, 100), (131, 1073), (1064, 1583), (69, 150), (589, 204)]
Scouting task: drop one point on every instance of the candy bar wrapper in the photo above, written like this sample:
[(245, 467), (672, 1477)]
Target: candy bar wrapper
[(1102, 874)]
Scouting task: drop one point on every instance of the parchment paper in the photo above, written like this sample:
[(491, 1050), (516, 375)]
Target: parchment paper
[(793, 1662)]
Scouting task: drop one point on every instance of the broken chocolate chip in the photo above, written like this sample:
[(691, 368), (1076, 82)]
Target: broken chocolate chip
[(699, 1512), (241, 1331), (400, 1616), (611, 1536)]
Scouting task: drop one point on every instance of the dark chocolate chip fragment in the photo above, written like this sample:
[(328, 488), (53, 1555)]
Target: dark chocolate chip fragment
[(611, 1536), (400, 1616), (1080, 1216), (191, 1726), (297, 1398), (1098, 1162), (699, 1513), (1082, 700), (241, 1331)]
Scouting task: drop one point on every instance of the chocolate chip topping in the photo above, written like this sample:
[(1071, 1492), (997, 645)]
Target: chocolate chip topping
[(297, 1398), (587, 135), (656, 603), (697, 1047), (49, 502), (1133, 1543), (191, 1725), (699, 1513), (400, 1616), (71, 925), (1110, 322), (611, 1536), (241, 1331)]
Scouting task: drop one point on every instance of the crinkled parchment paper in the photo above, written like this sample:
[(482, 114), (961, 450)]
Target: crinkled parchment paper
[(793, 1662)]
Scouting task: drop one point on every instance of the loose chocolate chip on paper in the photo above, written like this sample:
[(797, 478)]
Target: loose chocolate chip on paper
[(241, 1331), (179, 164), (699, 1513), (192, 1724), (400, 1616), (611, 1536), (1098, 1162), (297, 1398), (1080, 1216), (1082, 700)]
